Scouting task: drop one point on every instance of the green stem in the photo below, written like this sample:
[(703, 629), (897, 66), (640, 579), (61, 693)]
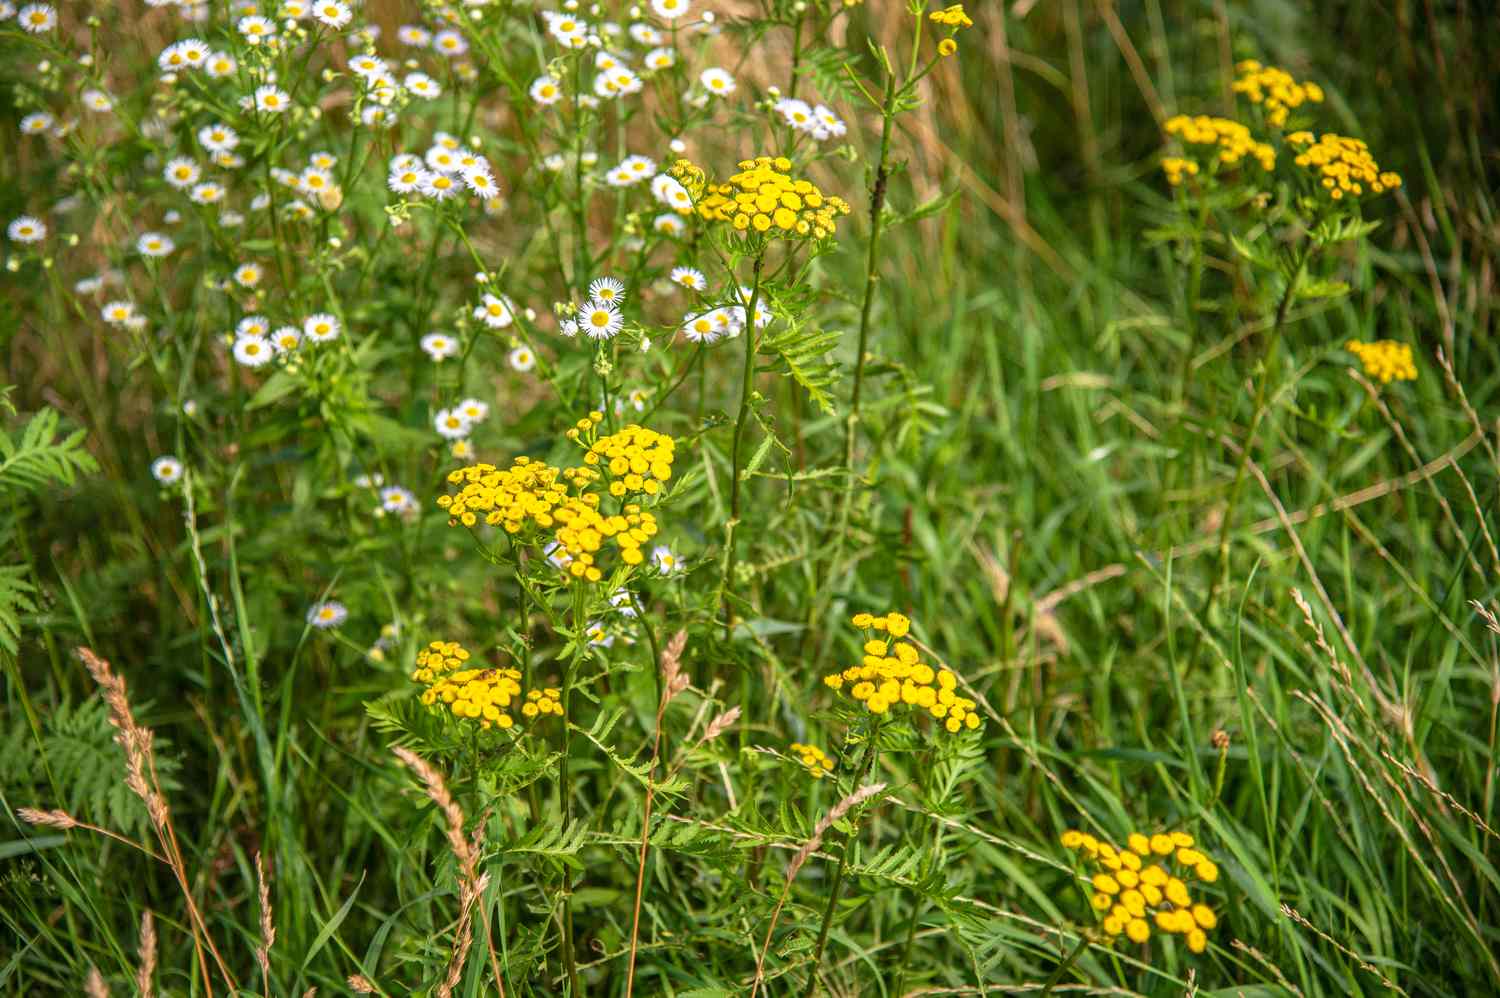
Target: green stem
[(1262, 390), (1062, 968), (564, 786), (865, 765), (747, 387)]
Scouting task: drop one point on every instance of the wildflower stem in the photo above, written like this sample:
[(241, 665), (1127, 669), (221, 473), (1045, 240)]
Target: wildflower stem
[(747, 387), (564, 787), (1062, 968), (866, 763), (1262, 385)]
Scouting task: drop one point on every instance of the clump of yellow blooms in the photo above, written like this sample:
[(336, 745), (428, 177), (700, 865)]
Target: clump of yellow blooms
[(1178, 168), (1274, 89), (480, 694), (1233, 139), (953, 17), (540, 703), (1342, 165), (765, 198), (637, 459), (892, 674), (536, 501), (1137, 886), (1385, 360), (814, 758)]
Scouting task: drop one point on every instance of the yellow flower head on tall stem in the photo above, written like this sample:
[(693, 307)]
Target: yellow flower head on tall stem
[(1143, 887)]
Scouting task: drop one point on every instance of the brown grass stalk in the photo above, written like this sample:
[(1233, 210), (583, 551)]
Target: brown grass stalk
[(147, 970)]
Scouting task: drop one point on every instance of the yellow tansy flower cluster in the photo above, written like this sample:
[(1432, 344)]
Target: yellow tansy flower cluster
[(764, 198), (814, 758), (953, 17), (1134, 889), (1385, 360), (637, 459), (1177, 169), (892, 673), (540, 703), (1233, 139), (475, 694), (558, 504), (1274, 89), (1342, 165)]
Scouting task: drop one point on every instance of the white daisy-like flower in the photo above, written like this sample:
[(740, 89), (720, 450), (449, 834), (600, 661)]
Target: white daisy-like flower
[(117, 313), (717, 81), (271, 99), (660, 58), (448, 141), (395, 499), (405, 180), (689, 278), (665, 561), (830, 123), (321, 160), (369, 481), (294, 9), (248, 275), (479, 180), (637, 398), (546, 90), (439, 346), (570, 31), (598, 636), (253, 351), (155, 244), (495, 311), (166, 469), (669, 192), (522, 359), (422, 86), (208, 193), (413, 34), (600, 321), (568, 328), (37, 18), (608, 290), (253, 325), (36, 123), (669, 224), (286, 339), (440, 186), (218, 137), (700, 327), (367, 66), (26, 229), (449, 43), (315, 181), (442, 159), (97, 100), (670, 10), (228, 219), (332, 13), (463, 450), (405, 161), (639, 167), (256, 29), (473, 410), (321, 328), (797, 113), (645, 34), (181, 172), (329, 613), (451, 424), (220, 65)]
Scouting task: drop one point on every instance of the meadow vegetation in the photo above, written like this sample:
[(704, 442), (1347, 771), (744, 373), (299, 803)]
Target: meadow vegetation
[(748, 497)]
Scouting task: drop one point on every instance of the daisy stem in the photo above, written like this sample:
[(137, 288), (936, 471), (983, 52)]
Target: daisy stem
[(747, 387)]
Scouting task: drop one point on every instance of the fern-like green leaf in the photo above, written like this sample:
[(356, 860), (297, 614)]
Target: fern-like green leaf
[(38, 458)]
